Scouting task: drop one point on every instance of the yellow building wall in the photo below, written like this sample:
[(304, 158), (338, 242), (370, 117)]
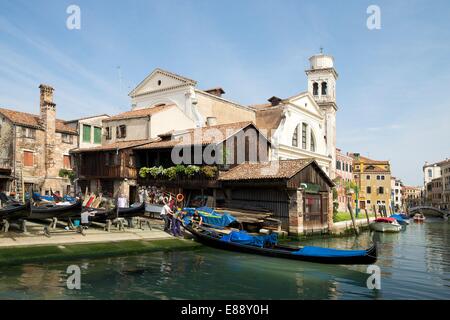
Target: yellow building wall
[(375, 181)]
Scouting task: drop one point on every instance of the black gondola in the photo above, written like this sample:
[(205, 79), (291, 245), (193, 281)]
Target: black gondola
[(15, 211), (318, 255), (48, 211), (101, 215)]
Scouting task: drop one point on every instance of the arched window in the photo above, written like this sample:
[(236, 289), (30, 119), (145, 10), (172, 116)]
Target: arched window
[(313, 142), (324, 88), (295, 138), (315, 89), (304, 127)]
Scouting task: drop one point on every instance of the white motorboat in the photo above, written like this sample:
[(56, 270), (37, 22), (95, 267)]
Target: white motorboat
[(385, 225)]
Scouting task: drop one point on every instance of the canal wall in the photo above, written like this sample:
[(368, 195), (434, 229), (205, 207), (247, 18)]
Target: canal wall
[(46, 253)]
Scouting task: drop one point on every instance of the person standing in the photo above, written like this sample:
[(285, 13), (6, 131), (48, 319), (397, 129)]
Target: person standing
[(166, 214), (176, 224)]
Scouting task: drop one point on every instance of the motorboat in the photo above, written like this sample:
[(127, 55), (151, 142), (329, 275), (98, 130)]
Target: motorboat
[(418, 217), (385, 225)]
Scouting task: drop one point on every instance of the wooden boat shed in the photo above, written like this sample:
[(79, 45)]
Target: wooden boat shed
[(298, 192)]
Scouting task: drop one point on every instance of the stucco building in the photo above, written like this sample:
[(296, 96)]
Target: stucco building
[(344, 176), (34, 148), (373, 178), (396, 193), (446, 183), (413, 195)]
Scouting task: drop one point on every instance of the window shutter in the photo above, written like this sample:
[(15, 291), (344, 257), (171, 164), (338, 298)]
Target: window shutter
[(28, 160)]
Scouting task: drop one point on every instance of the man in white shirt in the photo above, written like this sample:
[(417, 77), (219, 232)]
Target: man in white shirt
[(85, 218), (165, 212)]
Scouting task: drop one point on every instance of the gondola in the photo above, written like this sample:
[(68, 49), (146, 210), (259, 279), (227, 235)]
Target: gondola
[(101, 215), (309, 254), (15, 211), (49, 211)]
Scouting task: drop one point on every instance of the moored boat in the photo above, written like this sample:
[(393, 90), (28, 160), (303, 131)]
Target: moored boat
[(15, 210), (400, 219), (385, 225), (418, 217), (243, 242), (50, 210), (102, 214)]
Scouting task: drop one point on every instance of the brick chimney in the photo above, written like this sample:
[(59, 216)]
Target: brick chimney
[(48, 123), (216, 92)]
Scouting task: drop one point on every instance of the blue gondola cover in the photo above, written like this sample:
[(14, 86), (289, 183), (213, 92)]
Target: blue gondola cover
[(243, 237), (327, 252), (209, 217)]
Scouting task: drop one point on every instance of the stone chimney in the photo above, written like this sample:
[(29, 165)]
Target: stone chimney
[(216, 92), (48, 123), (274, 101)]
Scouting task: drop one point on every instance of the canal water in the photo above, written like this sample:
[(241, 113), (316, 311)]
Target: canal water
[(415, 264)]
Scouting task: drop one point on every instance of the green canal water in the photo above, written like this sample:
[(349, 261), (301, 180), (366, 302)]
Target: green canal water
[(415, 264)]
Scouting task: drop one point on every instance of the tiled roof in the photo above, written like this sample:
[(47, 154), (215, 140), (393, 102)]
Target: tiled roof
[(366, 160), (86, 118), (32, 121), (206, 135), (269, 119), (113, 146), (255, 171), (140, 113)]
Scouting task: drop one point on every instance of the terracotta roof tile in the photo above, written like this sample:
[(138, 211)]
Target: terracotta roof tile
[(206, 135), (32, 121), (113, 146), (256, 171), (269, 119), (140, 113)]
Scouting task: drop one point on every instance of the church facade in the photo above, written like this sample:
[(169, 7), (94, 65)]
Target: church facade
[(299, 127)]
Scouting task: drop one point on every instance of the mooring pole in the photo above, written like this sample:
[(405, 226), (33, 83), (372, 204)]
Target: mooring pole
[(353, 219)]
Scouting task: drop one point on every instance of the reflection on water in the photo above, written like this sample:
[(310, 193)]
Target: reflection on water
[(414, 263)]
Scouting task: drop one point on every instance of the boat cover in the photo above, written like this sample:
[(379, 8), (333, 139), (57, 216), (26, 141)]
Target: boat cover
[(243, 237), (398, 217), (387, 220), (327, 252), (209, 216)]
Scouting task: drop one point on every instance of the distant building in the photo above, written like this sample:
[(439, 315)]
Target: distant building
[(434, 192), (412, 195), (344, 176), (446, 183), (434, 175), (396, 193), (374, 180), (35, 148)]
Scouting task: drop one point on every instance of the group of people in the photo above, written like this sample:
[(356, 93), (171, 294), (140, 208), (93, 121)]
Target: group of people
[(173, 218)]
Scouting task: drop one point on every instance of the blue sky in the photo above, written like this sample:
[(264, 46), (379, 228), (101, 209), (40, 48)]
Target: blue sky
[(392, 91)]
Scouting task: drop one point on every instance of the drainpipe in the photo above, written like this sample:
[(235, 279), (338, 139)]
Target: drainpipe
[(148, 127), (14, 158)]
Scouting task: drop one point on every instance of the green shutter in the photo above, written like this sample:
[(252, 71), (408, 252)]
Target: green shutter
[(86, 133), (97, 135)]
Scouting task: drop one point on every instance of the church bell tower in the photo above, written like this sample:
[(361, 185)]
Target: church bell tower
[(322, 77)]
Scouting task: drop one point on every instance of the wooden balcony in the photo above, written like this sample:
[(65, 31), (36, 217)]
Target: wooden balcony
[(105, 172), (197, 182)]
